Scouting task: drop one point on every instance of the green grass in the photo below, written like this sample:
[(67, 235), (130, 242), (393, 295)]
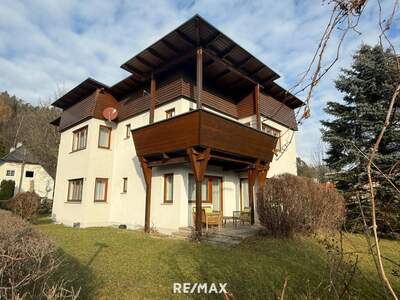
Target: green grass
[(120, 264)]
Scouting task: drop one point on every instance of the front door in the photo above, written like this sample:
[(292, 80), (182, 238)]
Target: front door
[(244, 194)]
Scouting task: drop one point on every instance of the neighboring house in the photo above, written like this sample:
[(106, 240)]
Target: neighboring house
[(197, 108), (20, 161)]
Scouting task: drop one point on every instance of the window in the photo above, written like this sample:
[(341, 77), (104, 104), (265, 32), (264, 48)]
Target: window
[(104, 137), (10, 173), (75, 187), (170, 113), (274, 132), (204, 189), (29, 174), (79, 139), (168, 188), (128, 131), (124, 184), (100, 190)]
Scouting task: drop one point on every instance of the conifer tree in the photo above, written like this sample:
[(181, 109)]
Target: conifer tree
[(356, 122)]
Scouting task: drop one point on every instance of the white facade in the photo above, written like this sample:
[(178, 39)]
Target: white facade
[(120, 161), (34, 178)]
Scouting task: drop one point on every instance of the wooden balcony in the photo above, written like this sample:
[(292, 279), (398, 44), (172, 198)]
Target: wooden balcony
[(228, 140)]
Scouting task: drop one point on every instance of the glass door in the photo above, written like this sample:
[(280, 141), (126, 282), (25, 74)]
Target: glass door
[(216, 193), (244, 194)]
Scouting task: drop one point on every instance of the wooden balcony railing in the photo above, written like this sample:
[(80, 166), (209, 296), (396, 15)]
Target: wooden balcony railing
[(201, 128)]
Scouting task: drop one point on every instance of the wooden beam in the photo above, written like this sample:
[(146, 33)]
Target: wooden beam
[(170, 46), (229, 66), (153, 99), (199, 75), (223, 158), (168, 162), (257, 105), (186, 38), (199, 162), (157, 54), (212, 40), (243, 62), (251, 177), (147, 172), (145, 62), (262, 171), (221, 74)]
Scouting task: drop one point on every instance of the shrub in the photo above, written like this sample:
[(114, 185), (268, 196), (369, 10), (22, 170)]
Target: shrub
[(6, 192), (28, 260), (26, 205), (290, 204)]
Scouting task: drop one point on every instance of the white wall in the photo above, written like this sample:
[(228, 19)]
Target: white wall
[(121, 161), (41, 181)]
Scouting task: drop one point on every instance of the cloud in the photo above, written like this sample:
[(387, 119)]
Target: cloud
[(45, 44)]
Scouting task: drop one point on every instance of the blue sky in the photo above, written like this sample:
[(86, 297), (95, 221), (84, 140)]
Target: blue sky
[(46, 45)]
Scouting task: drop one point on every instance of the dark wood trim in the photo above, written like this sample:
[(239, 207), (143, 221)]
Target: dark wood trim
[(153, 98), (241, 192), (74, 200), (73, 137), (109, 137), (199, 75), (147, 172), (170, 161), (199, 162), (257, 105), (170, 113), (251, 175), (124, 184), (262, 171), (165, 200), (106, 189)]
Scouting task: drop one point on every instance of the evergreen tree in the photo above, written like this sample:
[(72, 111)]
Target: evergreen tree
[(368, 87)]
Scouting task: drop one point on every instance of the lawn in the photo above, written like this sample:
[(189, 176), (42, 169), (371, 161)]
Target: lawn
[(110, 263)]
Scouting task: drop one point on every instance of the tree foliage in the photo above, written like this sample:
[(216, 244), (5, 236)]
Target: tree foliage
[(357, 120), (21, 122)]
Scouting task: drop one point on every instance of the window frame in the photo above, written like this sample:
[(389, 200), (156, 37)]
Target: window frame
[(278, 136), (128, 131), (70, 181), (12, 173), (33, 174), (170, 113), (74, 135), (124, 185), (109, 137), (209, 179), (165, 200), (105, 189)]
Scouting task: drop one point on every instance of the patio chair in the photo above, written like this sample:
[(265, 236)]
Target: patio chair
[(243, 216), (208, 217)]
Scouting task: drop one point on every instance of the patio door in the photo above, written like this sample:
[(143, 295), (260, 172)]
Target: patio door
[(215, 184), (244, 193), (211, 191)]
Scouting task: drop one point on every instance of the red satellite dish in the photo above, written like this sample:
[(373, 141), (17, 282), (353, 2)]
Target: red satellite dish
[(110, 113)]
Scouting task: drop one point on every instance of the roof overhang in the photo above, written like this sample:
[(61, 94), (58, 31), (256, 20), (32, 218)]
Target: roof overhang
[(78, 93)]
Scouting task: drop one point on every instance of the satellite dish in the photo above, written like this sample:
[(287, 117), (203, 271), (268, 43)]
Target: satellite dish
[(110, 113)]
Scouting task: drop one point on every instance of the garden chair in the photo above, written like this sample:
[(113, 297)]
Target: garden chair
[(208, 217)]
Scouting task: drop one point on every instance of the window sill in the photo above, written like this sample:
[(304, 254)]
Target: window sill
[(167, 203), (100, 202), (74, 151), (104, 148), (123, 193), (127, 138), (73, 202)]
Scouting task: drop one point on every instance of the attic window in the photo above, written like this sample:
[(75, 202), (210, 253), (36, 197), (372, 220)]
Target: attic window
[(29, 174)]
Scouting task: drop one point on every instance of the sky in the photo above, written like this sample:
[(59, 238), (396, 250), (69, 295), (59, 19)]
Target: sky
[(47, 45)]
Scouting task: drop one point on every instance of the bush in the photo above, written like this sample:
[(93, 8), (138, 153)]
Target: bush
[(291, 204), (28, 260), (6, 192), (26, 205)]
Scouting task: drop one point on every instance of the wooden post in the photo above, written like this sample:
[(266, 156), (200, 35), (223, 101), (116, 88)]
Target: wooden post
[(257, 105), (251, 177), (262, 171), (153, 98), (147, 172), (199, 162), (199, 75)]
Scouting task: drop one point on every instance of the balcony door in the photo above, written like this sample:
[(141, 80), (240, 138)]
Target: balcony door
[(244, 194)]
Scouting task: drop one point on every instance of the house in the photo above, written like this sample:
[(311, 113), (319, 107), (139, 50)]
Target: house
[(198, 123), (21, 166)]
